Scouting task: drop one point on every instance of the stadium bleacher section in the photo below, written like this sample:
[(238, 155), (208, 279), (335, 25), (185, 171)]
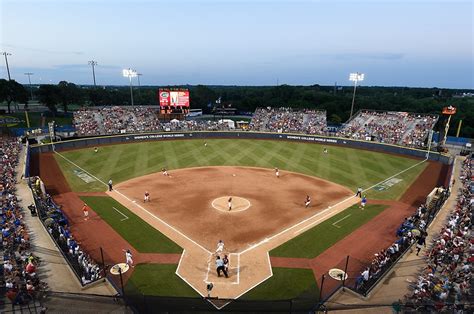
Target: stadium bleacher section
[(19, 280), (398, 128)]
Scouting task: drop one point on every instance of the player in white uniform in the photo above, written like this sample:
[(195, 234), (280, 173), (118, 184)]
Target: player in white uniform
[(165, 172), (220, 246), (277, 172), (128, 258), (147, 197), (307, 202), (229, 203)]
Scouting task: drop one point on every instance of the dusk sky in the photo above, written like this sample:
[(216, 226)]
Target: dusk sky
[(395, 43)]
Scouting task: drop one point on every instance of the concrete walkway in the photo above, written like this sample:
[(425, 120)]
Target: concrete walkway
[(395, 285), (54, 270)]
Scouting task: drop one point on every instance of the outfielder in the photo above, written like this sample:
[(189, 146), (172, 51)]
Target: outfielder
[(307, 202)]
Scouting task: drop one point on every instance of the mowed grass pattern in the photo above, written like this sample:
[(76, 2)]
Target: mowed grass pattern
[(324, 235), (143, 237), (286, 283), (346, 166), (158, 279)]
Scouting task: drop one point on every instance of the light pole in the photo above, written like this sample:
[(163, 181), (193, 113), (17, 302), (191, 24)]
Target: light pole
[(6, 54), (130, 73), (138, 77), (93, 64), (29, 81), (355, 77)]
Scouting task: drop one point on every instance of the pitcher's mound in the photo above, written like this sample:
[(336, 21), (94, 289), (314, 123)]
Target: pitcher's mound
[(239, 204)]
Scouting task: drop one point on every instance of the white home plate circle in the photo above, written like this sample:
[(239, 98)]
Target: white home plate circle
[(239, 204), (337, 274), (115, 270)]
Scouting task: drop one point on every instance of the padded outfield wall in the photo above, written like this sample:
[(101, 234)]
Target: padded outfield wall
[(130, 138)]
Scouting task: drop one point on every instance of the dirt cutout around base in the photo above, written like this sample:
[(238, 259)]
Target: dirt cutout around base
[(181, 208)]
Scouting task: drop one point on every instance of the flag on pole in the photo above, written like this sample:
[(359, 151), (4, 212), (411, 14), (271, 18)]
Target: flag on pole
[(218, 101)]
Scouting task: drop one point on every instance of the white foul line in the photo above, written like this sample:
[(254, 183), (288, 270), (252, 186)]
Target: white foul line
[(139, 206), (334, 224), (126, 217)]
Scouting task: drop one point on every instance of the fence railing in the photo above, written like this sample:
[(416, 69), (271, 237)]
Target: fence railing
[(51, 218)]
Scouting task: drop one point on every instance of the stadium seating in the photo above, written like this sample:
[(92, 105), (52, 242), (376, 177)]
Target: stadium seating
[(400, 128), (19, 280)]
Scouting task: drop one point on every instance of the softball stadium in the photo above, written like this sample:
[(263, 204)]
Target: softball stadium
[(265, 217)]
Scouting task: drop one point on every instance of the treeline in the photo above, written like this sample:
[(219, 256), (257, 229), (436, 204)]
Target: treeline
[(335, 100)]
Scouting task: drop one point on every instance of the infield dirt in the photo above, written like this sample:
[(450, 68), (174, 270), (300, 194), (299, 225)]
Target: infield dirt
[(170, 193)]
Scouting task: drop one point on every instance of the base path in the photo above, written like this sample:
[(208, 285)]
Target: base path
[(191, 207)]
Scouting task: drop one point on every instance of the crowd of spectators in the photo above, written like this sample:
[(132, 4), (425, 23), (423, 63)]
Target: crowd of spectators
[(412, 232), (195, 125), (401, 128), (115, 120), (446, 280), (18, 273), (287, 120), (57, 225)]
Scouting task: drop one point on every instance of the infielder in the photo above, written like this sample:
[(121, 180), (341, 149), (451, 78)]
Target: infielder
[(277, 172), (363, 202), (128, 258), (165, 172), (147, 197), (229, 203), (307, 202)]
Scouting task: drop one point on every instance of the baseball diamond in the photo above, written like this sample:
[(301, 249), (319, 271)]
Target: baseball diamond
[(190, 207)]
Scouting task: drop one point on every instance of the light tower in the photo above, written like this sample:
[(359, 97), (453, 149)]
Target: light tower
[(355, 77), (6, 54), (447, 111), (93, 64), (29, 81), (130, 73)]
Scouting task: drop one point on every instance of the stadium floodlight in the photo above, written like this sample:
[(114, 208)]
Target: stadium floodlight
[(6, 54), (93, 63), (355, 77), (130, 73)]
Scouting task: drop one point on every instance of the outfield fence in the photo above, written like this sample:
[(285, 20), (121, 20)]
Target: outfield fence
[(326, 140)]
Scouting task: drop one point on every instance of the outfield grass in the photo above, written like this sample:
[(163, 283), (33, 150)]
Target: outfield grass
[(318, 239), (158, 279), (346, 166), (143, 237), (286, 283)]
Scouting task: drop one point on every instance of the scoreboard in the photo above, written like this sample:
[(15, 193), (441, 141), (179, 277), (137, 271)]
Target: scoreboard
[(173, 100)]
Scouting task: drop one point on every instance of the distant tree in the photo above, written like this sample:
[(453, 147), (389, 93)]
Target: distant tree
[(335, 119), (12, 91), (48, 95), (69, 94)]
